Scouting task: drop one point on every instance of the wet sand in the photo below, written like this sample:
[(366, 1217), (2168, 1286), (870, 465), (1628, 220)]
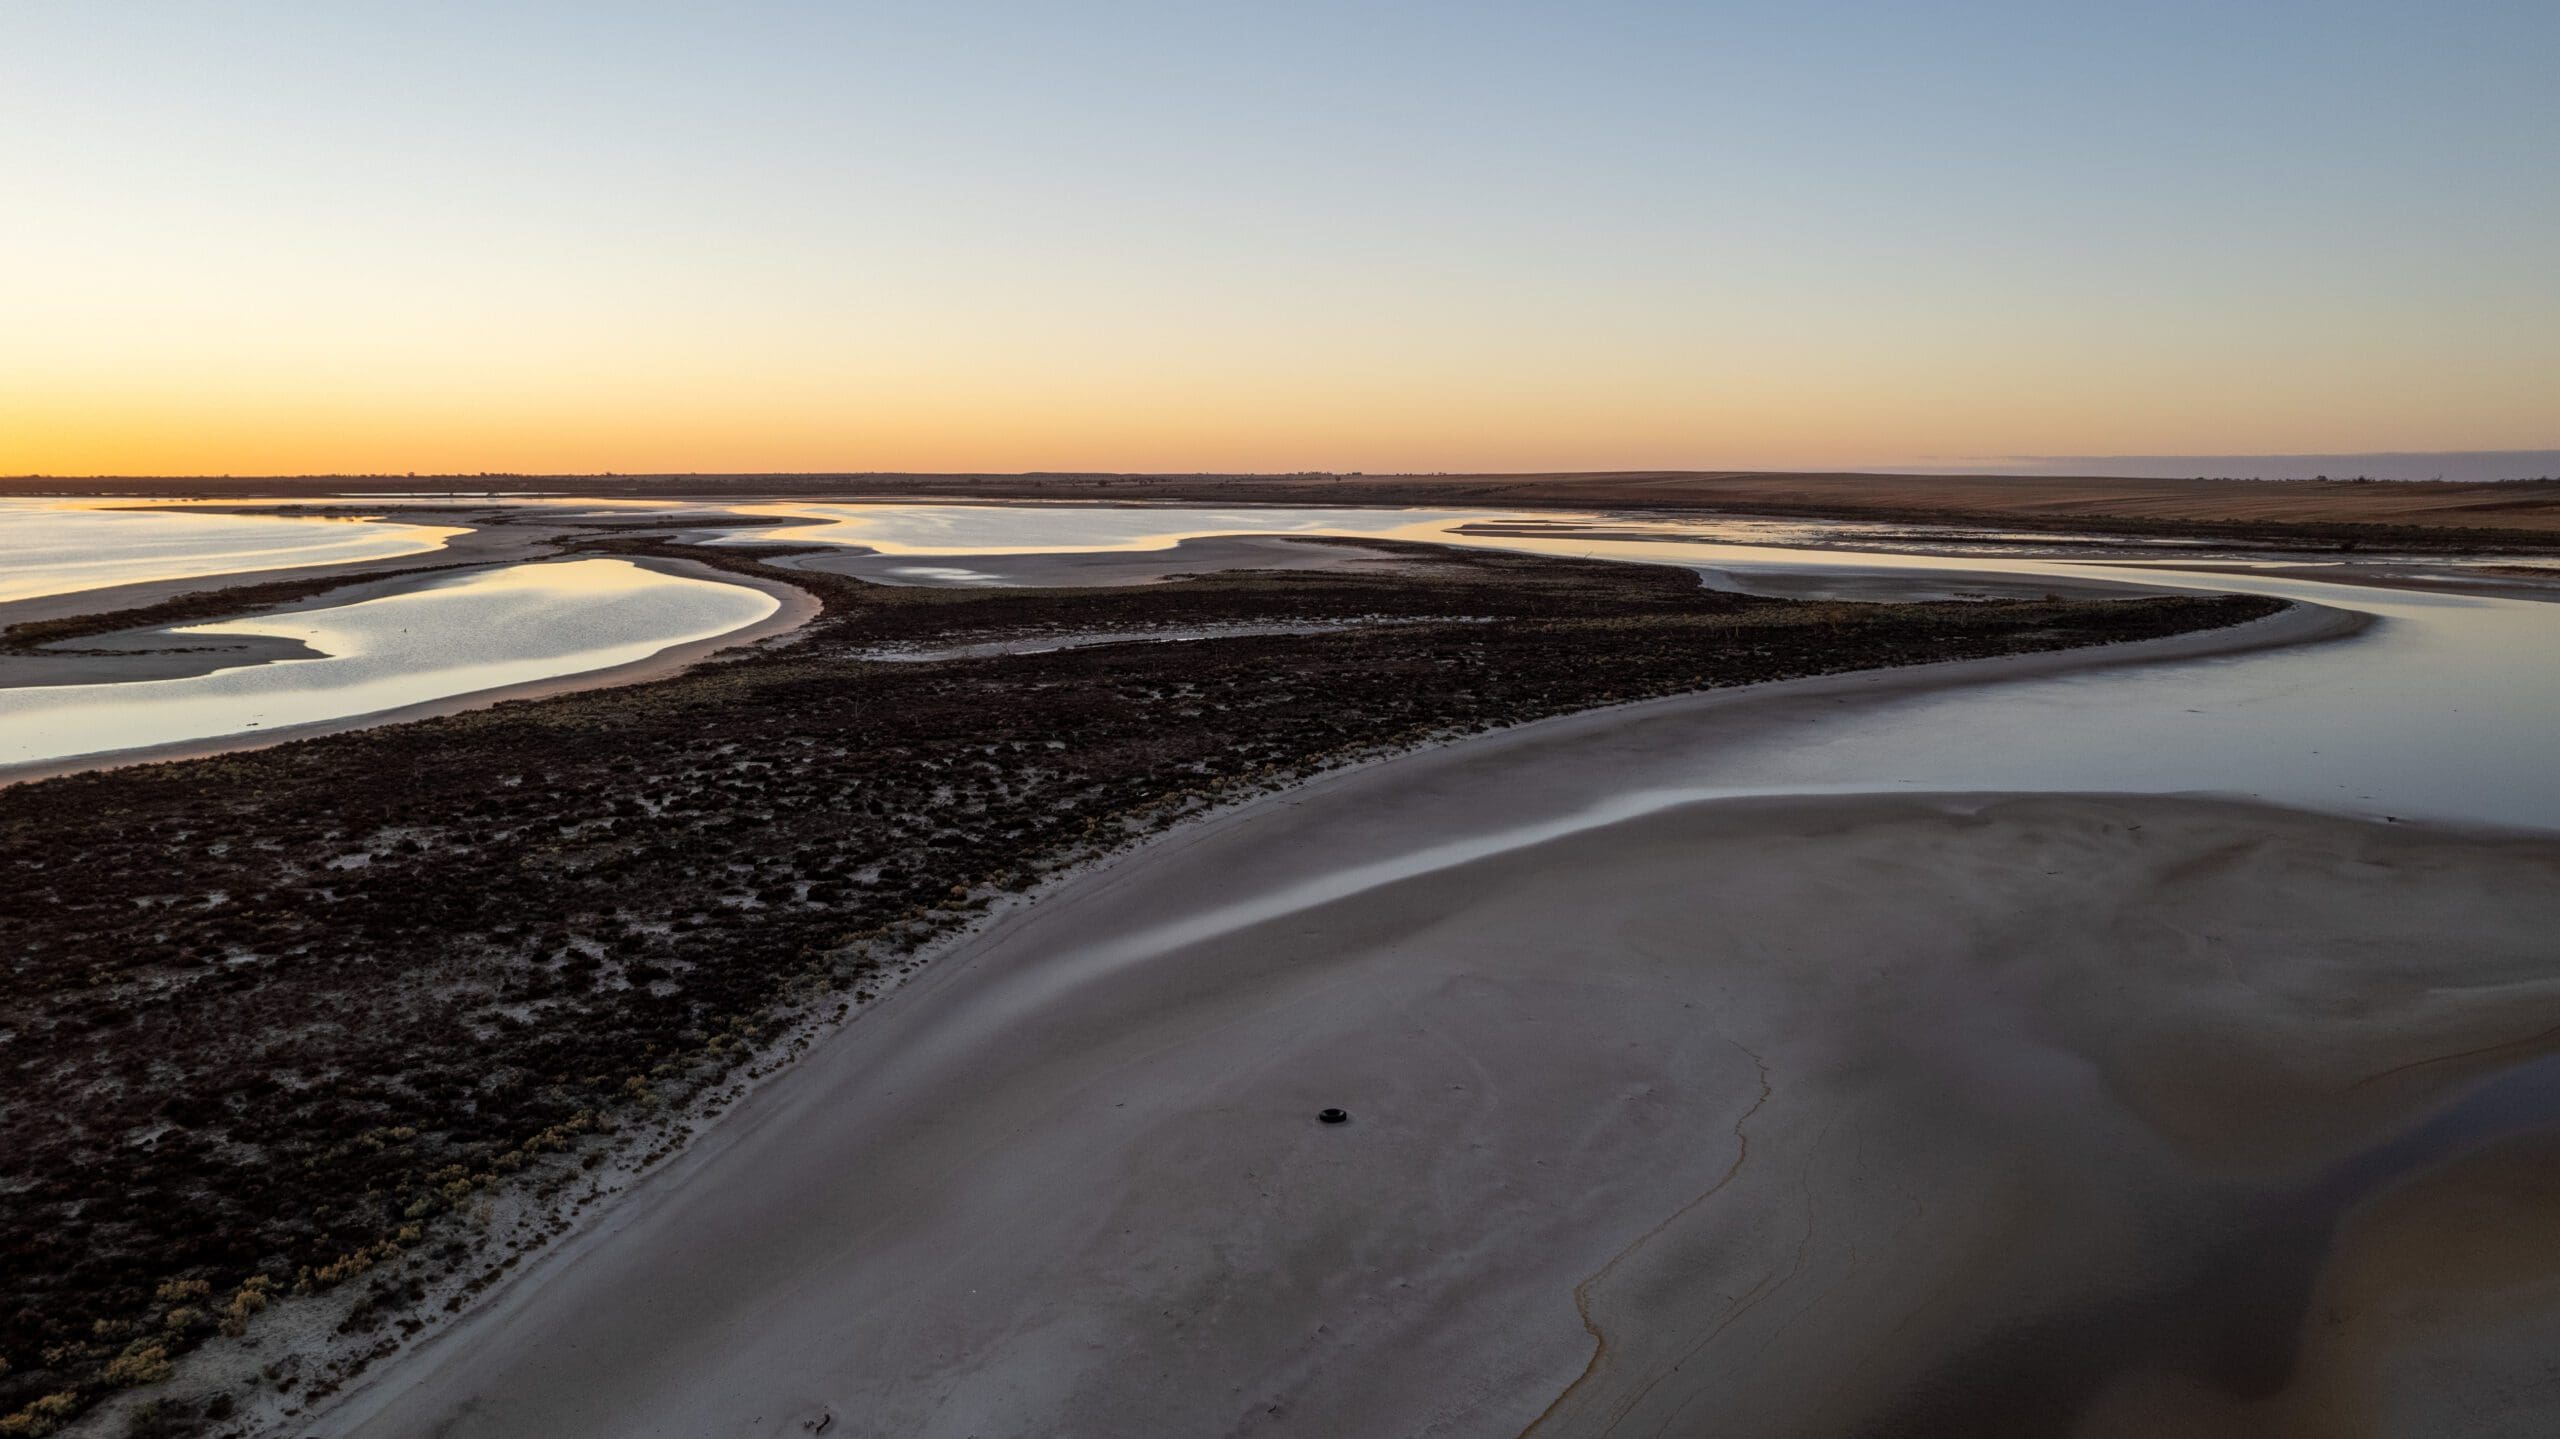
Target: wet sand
[(154, 654), (2436, 1312), (1834, 1115)]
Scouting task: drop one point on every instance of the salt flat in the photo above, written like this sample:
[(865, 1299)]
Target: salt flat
[(1822, 1114)]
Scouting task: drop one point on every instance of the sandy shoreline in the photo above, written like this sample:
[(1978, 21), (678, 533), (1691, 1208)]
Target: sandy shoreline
[(2389, 576), (129, 656), (1067, 1180), (158, 652), (797, 608), (478, 544)]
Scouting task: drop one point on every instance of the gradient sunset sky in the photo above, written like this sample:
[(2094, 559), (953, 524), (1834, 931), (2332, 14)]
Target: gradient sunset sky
[(271, 238)]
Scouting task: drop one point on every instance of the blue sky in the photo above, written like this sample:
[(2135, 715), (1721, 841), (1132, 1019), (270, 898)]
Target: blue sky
[(1316, 235)]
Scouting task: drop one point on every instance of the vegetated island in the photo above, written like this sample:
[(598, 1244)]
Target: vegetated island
[(366, 1017)]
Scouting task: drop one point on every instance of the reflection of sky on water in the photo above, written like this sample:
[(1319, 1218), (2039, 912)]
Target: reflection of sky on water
[(904, 529), (2444, 709), (473, 632), (52, 547)]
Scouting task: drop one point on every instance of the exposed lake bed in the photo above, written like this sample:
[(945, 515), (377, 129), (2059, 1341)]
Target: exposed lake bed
[(2042, 1061), (1692, 1047), (1952, 1161), (619, 819)]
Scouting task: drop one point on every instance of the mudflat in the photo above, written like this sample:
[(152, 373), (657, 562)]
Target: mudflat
[(444, 984), (1830, 1115)]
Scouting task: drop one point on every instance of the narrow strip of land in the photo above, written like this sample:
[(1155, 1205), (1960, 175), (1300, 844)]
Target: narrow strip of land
[(1840, 1095)]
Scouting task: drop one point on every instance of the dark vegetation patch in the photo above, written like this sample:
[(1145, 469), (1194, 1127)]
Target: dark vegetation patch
[(270, 1021)]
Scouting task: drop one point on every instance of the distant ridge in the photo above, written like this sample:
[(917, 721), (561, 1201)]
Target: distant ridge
[(2333, 512)]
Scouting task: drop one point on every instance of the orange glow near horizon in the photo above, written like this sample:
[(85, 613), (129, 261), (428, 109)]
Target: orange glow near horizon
[(1005, 238), (1788, 407)]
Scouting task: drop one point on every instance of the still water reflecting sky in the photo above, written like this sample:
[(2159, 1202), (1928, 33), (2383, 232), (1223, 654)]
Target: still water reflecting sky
[(2446, 708), (51, 547), (474, 632)]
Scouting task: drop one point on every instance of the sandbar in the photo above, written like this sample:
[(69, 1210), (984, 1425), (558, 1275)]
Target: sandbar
[(1788, 1115)]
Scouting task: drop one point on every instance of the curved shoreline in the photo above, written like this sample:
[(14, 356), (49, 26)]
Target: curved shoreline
[(1030, 1113), (471, 545), (796, 607), (1098, 886)]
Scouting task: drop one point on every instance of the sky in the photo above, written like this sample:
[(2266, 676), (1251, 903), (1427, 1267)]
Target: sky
[(526, 237)]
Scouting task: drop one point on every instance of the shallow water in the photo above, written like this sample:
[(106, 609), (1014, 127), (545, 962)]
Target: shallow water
[(52, 547), (2442, 710), (464, 634), (1069, 529), (2445, 709)]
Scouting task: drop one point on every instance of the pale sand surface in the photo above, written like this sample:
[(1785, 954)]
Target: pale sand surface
[(1853, 1114)]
